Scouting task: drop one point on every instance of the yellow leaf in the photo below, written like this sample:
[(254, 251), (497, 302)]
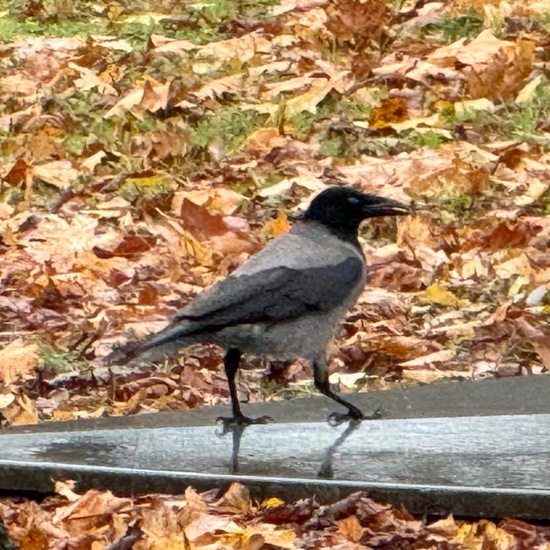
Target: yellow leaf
[(438, 294), (484, 534), (277, 226), (272, 502)]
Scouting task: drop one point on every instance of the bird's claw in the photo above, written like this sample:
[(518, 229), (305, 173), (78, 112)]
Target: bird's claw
[(335, 419), (231, 422)]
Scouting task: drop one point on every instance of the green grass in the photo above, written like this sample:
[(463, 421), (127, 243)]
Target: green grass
[(459, 204), (338, 147), (451, 29), (200, 22), (527, 121), (55, 360), (331, 108), (138, 33), (231, 126), (146, 187), (335, 117), (433, 140), (11, 28), (89, 126)]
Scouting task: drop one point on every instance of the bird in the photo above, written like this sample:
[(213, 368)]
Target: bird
[(284, 302)]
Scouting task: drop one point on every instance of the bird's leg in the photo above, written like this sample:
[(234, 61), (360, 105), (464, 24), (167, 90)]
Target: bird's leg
[(231, 363), (320, 377)]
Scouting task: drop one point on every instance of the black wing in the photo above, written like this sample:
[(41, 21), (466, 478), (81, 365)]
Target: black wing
[(269, 296)]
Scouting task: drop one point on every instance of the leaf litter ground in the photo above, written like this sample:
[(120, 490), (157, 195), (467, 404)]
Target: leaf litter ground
[(148, 152)]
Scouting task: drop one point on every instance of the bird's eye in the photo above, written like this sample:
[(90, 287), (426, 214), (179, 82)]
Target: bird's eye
[(353, 200)]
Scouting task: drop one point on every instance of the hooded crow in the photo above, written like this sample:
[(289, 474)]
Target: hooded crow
[(284, 302)]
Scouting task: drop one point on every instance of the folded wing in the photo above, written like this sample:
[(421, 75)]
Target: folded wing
[(270, 296)]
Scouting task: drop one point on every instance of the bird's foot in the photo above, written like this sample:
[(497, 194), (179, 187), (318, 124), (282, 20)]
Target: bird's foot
[(229, 423), (354, 415)]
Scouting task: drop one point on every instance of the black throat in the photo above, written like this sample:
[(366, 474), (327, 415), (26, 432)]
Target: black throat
[(346, 228)]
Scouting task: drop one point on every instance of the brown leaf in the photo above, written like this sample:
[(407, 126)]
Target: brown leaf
[(539, 340), (228, 85), (19, 361), (151, 98), (296, 512), (262, 141), (201, 223), (130, 247), (446, 527), (526, 533), (243, 48), (17, 173), (235, 499), (59, 173), (207, 524), (65, 489), (437, 357), (91, 511), (506, 235), (21, 411), (319, 89), (393, 109), (362, 20), (519, 265), (351, 529), (154, 99)]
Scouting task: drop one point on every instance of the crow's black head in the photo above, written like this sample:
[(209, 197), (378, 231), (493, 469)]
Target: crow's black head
[(342, 209)]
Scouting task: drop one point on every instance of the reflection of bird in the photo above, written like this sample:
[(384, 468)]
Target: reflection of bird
[(326, 470), (287, 300)]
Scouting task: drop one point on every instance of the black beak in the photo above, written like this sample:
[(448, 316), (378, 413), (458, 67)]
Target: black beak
[(386, 207)]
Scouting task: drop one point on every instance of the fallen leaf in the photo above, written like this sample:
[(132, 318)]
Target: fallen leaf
[(351, 529), (436, 357), (206, 524), (58, 172), (438, 294), (235, 499), (19, 361)]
